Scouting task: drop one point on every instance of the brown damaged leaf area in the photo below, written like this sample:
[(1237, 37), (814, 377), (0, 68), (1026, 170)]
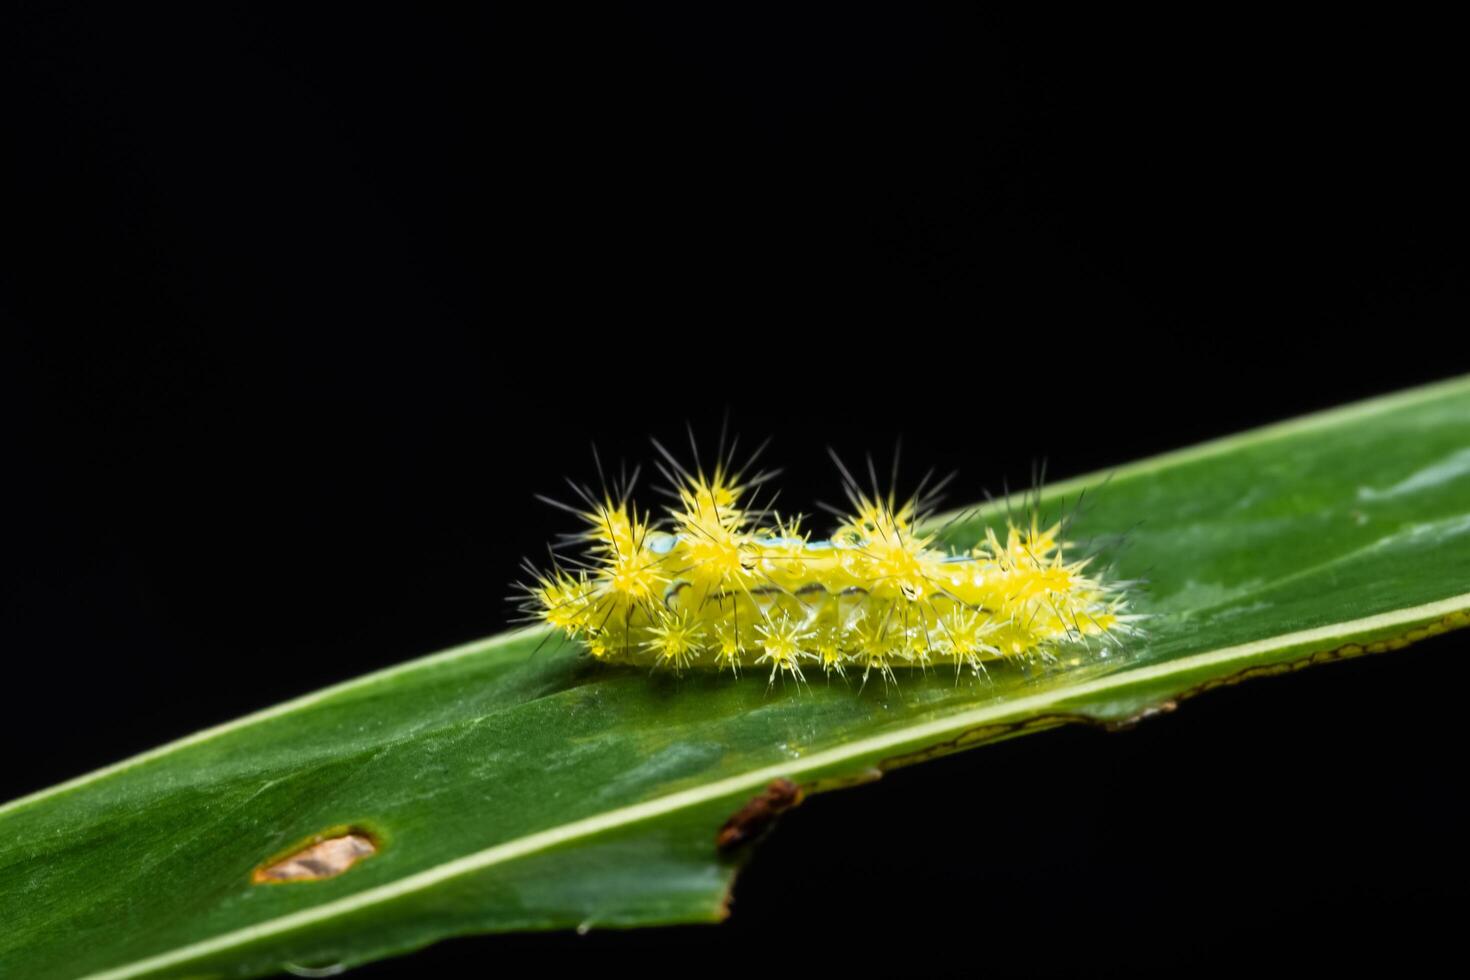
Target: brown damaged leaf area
[(321, 859), (756, 815)]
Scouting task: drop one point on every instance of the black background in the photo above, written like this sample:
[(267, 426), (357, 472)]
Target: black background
[(303, 305)]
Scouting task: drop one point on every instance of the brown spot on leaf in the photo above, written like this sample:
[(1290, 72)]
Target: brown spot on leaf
[(1143, 714), (322, 857), (756, 815)]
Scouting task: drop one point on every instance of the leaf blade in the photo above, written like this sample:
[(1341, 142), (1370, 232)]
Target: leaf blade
[(475, 763)]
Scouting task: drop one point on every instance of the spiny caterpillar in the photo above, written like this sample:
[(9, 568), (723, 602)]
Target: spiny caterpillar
[(721, 583)]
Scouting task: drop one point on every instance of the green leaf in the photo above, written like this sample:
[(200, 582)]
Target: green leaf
[(507, 789)]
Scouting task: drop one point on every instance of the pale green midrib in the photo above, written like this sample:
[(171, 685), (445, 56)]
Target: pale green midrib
[(1214, 447), (1316, 420), (927, 733)]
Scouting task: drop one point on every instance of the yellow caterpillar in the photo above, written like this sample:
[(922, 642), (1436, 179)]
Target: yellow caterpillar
[(712, 587)]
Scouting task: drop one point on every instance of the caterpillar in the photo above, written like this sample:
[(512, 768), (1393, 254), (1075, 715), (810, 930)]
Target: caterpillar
[(719, 582)]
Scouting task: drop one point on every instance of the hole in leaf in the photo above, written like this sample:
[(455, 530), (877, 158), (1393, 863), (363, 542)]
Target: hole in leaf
[(321, 857)]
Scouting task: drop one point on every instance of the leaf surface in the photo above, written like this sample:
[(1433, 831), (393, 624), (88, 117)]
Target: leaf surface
[(505, 788)]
